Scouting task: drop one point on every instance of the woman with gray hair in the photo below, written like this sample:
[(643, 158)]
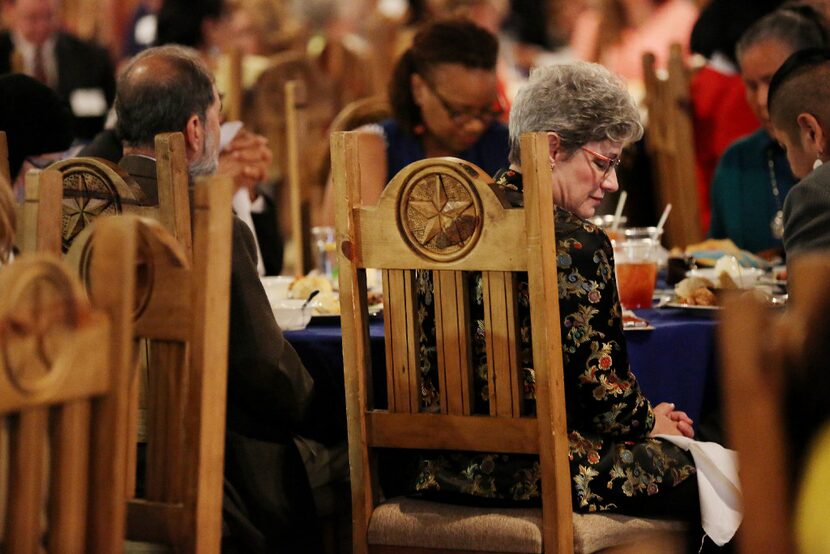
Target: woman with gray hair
[(616, 463)]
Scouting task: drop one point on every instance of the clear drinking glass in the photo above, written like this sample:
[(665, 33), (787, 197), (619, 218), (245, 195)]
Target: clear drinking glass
[(325, 251), (636, 254)]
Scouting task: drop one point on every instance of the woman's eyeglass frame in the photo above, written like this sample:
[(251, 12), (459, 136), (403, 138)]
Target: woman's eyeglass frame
[(463, 116), (612, 162)]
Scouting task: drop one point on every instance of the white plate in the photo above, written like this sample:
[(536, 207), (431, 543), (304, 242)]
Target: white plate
[(749, 276)]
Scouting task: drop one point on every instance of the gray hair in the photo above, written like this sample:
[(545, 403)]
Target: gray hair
[(161, 100), (582, 102)]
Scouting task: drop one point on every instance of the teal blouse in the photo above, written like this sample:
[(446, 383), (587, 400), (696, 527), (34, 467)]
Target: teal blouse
[(743, 204)]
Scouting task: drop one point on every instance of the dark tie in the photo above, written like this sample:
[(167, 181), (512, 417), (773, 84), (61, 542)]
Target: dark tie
[(40, 67)]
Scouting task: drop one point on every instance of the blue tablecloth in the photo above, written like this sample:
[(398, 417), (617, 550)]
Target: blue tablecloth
[(676, 362)]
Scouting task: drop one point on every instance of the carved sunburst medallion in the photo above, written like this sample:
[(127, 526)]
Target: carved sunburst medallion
[(440, 214), (35, 329), (85, 197)]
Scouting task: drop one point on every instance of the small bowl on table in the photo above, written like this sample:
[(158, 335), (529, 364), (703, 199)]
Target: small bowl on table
[(291, 315)]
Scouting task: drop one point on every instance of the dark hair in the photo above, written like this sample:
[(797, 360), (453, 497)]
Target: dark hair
[(180, 21), (722, 23), (161, 100), (797, 25), (447, 41), (784, 102), (34, 117)]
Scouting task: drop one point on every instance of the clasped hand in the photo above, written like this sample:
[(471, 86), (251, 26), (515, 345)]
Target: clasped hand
[(245, 160), (668, 421)]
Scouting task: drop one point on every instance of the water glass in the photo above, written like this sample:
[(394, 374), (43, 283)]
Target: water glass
[(325, 251)]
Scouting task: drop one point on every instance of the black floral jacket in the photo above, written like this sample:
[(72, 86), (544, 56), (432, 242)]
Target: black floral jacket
[(612, 460)]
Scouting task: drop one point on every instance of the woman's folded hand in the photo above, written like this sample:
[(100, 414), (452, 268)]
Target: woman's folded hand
[(668, 421)]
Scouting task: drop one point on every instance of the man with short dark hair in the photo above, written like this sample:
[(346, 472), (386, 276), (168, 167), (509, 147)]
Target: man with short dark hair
[(79, 71), (268, 502), (799, 112)]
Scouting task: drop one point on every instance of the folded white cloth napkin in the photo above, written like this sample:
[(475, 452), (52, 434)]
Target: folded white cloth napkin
[(243, 208), (718, 486)]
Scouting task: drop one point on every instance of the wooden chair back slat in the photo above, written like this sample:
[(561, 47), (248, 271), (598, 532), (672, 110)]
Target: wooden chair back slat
[(444, 216), (233, 99), (453, 342), (401, 350), (295, 103), (173, 179), (346, 171), (548, 365), (670, 144), (207, 391), (499, 291), (68, 513), (166, 414), (27, 438), (452, 432), (39, 228)]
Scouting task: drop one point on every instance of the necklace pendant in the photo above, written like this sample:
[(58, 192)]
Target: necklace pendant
[(777, 225)]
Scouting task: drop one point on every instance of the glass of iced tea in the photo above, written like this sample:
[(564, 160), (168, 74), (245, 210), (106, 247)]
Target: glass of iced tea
[(635, 257)]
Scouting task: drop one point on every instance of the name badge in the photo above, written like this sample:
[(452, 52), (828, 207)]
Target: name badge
[(88, 102)]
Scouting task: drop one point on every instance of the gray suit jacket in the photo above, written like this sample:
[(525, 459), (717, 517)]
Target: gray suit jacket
[(807, 214)]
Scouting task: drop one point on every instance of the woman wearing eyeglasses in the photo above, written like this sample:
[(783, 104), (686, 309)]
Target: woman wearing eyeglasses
[(445, 99), (616, 463)]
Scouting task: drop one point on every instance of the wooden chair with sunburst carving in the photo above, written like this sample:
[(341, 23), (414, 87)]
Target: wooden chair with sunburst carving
[(443, 215), (181, 316), (185, 376), (63, 372), (93, 187)]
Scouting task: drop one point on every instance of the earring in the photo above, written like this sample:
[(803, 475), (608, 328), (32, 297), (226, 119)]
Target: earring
[(818, 163), (552, 161)]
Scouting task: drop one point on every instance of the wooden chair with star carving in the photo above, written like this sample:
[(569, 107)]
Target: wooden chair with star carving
[(184, 370), (92, 187), (443, 215), (180, 314), (63, 369)]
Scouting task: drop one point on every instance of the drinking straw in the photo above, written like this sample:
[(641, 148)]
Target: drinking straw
[(663, 217), (618, 212)]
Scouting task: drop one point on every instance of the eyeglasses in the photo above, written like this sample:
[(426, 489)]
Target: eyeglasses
[(462, 116), (603, 163)]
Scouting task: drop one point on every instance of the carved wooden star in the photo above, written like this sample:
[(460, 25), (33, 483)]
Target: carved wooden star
[(440, 212), (80, 211)]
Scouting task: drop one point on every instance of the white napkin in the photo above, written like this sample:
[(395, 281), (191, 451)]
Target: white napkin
[(242, 208), (718, 486)]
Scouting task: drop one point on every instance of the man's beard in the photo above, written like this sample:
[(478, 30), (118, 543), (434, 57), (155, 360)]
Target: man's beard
[(209, 161)]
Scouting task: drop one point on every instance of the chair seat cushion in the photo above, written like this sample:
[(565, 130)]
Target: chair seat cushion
[(409, 522)]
